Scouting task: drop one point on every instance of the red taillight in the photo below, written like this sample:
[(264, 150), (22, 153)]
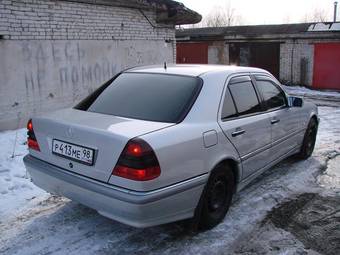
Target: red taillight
[(137, 174), (134, 149), (32, 142), (137, 162), (30, 126)]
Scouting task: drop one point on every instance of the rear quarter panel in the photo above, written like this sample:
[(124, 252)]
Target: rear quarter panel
[(182, 155), (308, 111)]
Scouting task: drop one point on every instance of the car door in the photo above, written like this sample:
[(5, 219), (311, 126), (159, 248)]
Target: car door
[(245, 124), (285, 121)]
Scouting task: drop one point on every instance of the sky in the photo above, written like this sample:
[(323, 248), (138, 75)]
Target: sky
[(266, 11)]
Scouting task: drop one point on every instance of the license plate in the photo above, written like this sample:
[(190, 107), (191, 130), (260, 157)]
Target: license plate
[(72, 151)]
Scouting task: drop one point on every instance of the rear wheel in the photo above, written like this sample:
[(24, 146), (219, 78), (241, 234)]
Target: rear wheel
[(308, 144), (216, 197)]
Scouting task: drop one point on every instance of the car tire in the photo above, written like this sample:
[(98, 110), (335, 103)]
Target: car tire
[(309, 139), (216, 197)]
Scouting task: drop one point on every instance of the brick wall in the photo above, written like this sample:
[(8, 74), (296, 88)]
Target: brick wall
[(54, 53), (292, 54), (63, 20)]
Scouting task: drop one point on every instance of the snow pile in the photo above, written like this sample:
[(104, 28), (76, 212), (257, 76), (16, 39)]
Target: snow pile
[(331, 178), (336, 26), (328, 142), (306, 92), (324, 27)]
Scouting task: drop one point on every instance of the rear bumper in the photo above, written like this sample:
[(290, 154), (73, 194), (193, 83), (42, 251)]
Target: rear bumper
[(138, 209)]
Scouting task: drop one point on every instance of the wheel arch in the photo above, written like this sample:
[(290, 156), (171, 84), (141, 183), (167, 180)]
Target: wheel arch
[(235, 167)]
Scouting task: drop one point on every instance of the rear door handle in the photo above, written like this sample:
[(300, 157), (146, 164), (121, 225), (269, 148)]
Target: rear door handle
[(238, 132), (274, 121)]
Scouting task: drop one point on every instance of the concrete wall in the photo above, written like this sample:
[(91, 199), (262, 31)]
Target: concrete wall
[(218, 53), (54, 53)]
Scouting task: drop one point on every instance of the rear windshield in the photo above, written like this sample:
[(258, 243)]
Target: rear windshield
[(146, 96)]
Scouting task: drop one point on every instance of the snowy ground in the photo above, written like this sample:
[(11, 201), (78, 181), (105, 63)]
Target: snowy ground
[(322, 98), (33, 222)]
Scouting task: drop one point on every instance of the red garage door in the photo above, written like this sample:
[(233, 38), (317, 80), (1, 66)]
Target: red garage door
[(327, 66), (193, 53)]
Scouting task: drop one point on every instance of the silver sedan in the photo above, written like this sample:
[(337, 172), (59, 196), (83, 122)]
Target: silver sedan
[(160, 144)]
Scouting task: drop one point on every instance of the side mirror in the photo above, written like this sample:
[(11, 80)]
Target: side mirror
[(295, 101)]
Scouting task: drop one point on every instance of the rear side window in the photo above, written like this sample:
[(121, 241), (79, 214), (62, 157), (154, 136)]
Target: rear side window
[(245, 98), (272, 96), (147, 96), (228, 110)]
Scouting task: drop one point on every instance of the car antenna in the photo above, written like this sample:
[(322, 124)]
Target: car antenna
[(165, 65)]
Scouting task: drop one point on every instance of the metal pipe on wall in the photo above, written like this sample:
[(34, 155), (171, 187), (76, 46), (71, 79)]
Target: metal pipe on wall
[(335, 10)]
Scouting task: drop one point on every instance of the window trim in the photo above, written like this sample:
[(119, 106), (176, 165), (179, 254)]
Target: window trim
[(263, 77), (240, 76)]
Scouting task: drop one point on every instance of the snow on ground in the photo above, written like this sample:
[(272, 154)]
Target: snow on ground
[(303, 91), (322, 98), (15, 188), (33, 222), (331, 178)]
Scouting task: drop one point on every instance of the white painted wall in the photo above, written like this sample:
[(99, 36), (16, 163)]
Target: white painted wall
[(54, 53), (41, 76)]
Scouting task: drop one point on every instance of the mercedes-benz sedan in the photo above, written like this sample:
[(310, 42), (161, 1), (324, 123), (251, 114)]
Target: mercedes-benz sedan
[(159, 144)]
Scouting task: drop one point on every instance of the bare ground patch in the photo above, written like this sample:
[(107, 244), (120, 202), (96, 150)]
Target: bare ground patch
[(312, 219), (307, 224)]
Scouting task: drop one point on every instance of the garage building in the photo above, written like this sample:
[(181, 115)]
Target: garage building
[(306, 54)]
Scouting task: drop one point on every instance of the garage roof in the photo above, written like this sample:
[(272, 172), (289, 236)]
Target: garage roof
[(257, 31)]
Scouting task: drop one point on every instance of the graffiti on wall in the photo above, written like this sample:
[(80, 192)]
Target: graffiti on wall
[(40, 75), (64, 66)]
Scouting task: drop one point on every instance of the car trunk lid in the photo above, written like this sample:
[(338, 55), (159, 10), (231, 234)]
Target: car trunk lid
[(105, 135)]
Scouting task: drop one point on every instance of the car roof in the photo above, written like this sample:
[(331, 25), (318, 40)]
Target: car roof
[(193, 69)]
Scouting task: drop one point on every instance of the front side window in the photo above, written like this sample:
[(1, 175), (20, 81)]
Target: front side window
[(272, 96), (245, 98)]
